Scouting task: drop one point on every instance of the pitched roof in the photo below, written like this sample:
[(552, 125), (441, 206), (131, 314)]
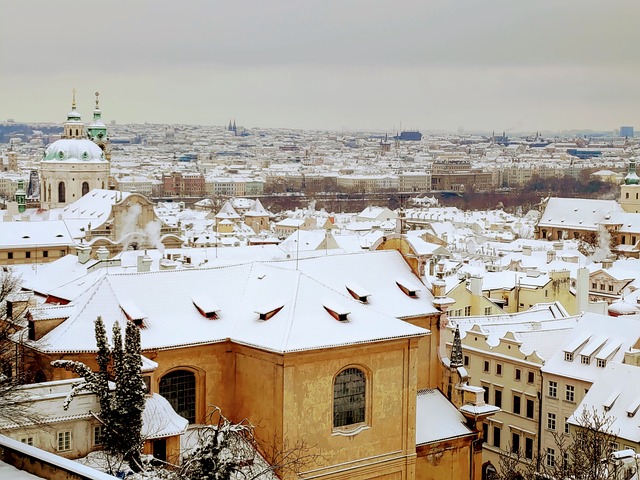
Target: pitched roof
[(241, 293)]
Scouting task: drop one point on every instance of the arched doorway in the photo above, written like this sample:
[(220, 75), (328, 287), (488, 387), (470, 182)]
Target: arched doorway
[(61, 193), (179, 388), (85, 188)]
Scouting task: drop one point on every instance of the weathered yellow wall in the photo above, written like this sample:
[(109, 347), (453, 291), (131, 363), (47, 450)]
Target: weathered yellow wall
[(389, 433), (447, 460)]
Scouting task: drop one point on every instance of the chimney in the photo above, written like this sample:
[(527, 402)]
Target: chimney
[(475, 285), (526, 250), (103, 253), (551, 256), (582, 289), (144, 263), (83, 252), (439, 288)]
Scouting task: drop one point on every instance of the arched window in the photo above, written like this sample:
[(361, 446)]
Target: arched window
[(179, 388), (85, 188), (61, 193), (349, 397)]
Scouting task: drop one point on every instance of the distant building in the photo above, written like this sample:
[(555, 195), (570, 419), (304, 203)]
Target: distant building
[(626, 132), (412, 135)]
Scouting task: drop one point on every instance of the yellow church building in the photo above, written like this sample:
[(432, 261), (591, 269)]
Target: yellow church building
[(339, 352)]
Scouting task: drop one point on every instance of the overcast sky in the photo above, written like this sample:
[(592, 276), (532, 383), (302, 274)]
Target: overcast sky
[(509, 65)]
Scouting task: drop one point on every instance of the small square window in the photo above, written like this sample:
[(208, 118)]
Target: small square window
[(45, 253), (531, 377), (27, 440), (585, 359), (518, 373), (498, 369), (27, 254), (487, 310), (602, 363), (485, 368), (9, 255), (568, 356)]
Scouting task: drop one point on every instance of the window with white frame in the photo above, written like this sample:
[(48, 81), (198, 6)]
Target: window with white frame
[(585, 359), (64, 441), (27, 440), (551, 457), (601, 363), (551, 421), (553, 389), (97, 435), (568, 356), (570, 393)]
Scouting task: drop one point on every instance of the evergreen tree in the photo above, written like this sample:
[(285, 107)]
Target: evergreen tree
[(102, 380), (120, 410), (130, 396)]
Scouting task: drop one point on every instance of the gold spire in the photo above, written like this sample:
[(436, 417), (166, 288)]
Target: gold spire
[(73, 103)]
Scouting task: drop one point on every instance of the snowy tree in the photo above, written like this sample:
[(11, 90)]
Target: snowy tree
[(585, 454), (13, 405), (227, 450), (120, 409)]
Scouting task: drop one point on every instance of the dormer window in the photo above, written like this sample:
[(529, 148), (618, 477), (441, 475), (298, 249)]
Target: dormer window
[(633, 408), (408, 288), (207, 307), (568, 356), (268, 312), (336, 311), (585, 359), (133, 313), (611, 399), (357, 292)]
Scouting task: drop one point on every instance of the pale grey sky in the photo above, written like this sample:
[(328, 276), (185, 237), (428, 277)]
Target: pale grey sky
[(329, 64)]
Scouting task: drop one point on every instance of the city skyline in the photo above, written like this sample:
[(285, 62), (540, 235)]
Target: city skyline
[(354, 65)]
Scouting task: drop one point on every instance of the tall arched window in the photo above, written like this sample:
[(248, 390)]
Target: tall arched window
[(179, 388), (61, 193), (349, 397), (85, 188)]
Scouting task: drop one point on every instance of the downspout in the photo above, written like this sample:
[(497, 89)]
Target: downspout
[(539, 422)]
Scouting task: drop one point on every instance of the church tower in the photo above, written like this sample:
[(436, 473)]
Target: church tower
[(73, 127), (97, 130), (74, 165), (630, 190)]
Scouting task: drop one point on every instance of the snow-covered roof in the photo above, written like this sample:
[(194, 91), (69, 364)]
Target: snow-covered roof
[(615, 394), (242, 290), (578, 213), (593, 334), (541, 329), (437, 419), (159, 419), (43, 235)]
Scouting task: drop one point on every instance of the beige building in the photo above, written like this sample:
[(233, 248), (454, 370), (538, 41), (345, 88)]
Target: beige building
[(503, 355), (579, 362)]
